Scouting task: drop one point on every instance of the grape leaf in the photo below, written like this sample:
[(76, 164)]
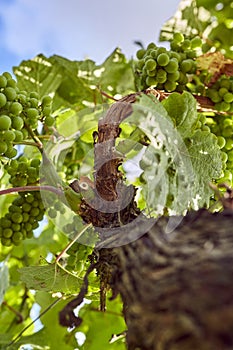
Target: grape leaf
[(207, 163), (4, 281), (49, 278), (39, 75), (166, 164), (100, 327), (176, 168), (183, 111)]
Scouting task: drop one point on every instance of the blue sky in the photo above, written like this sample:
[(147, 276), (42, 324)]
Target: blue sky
[(77, 29)]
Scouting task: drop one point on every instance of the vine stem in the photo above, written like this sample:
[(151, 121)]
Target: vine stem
[(32, 188)]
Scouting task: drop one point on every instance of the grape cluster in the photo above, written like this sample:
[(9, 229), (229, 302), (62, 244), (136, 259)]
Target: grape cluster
[(221, 93), (22, 218), (167, 69), (222, 127), (19, 110), (23, 172)]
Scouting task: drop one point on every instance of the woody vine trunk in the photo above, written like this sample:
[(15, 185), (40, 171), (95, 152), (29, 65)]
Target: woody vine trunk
[(176, 288)]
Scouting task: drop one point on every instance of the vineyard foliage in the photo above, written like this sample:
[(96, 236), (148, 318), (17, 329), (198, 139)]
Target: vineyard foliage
[(178, 140)]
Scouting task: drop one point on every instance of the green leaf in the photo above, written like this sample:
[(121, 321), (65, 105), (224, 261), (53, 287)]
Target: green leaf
[(100, 327), (166, 165), (49, 278), (207, 164), (39, 74), (183, 111), (4, 281)]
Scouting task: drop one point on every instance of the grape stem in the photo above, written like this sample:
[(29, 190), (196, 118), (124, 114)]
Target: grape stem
[(34, 137), (27, 143), (55, 190)]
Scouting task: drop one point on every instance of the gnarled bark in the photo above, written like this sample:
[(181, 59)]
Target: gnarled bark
[(177, 289)]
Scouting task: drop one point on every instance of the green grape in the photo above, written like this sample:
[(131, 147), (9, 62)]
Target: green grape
[(186, 66), (52, 213), (150, 64), (9, 136), (18, 136), (17, 218), (10, 93), (225, 83), (11, 83), (7, 75), (170, 86), (49, 121), (46, 100), (173, 76), (228, 97), (140, 53), (221, 141), (186, 44), (3, 99), (32, 113), (151, 81), (178, 37), (17, 123), (16, 108), (46, 111), (3, 147), (7, 232), (161, 76), (3, 81), (172, 66), (222, 91), (224, 106), (151, 73), (229, 144), (17, 238), (163, 59), (196, 42), (5, 122)]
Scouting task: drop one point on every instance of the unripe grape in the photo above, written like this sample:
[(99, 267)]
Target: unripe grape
[(7, 75), (46, 100), (221, 141), (229, 144), (5, 122), (9, 136), (11, 83), (186, 44), (3, 81), (228, 97), (17, 218), (7, 232), (17, 123), (16, 108), (186, 66), (3, 100), (3, 147), (18, 136), (163, 59), (170, 86), (151, 81), (161, 76), (222, 91), (150, 64), (34, 95), (32, 113), (196, 42), (178, 37), (172, 66), (46, 111), (10, 93), (11, 152), (140, 53), (173, 76)]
